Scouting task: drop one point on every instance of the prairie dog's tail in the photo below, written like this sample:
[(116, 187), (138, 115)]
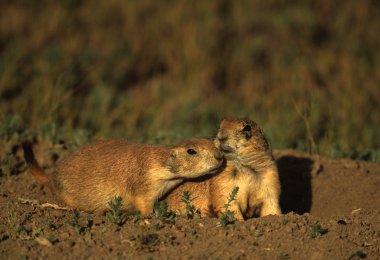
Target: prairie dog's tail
[(34, 167)]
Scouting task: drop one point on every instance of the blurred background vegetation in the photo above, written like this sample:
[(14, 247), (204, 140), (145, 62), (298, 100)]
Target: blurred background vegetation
[(161, 71)]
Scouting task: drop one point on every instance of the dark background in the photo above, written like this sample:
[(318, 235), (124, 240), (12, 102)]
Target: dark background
[(162, 71)]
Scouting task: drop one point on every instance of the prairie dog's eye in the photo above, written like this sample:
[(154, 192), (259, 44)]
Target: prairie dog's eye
[(247, 128), (191, 151)]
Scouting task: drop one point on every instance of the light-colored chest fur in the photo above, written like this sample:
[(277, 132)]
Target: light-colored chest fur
[(248, 182), (236, 175)]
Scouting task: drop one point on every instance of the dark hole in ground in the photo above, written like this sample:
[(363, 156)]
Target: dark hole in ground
[(295, 179)]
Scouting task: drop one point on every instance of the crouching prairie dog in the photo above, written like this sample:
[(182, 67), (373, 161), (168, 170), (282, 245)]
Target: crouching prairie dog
[(250, 166), (139, 173)]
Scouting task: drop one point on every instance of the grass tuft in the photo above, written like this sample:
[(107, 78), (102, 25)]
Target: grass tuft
[(318, 231), (75, 223), (116, 215), (191, 210), (7, 165), (228, 216), (161, 210), (283, 255), (358, 254)]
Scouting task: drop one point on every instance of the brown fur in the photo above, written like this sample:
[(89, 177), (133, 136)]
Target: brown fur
[(139, 173), (35, 169), (250, 166)]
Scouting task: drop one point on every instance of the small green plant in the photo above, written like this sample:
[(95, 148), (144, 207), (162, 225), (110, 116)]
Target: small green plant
[(358, 254), (12, 220), (7, 164), (52, 239), (20, 231), (81, 230), (147, 241), (161, 210), (194, 233), (317, 231), (228, 216), (158, 226), (115, 215), (258, 233), (283, 255), (135, 216), (191, 210), (37, 232)]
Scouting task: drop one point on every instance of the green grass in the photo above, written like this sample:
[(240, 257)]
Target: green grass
[(190, 210), (318, 231), (228, 216), (161, 210), (283, 255), (116, 215), (79, 228), (160, 72), (357, 255)]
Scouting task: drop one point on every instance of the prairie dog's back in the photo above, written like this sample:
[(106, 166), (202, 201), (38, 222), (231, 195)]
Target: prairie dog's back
[(110, 159), (107, 168)]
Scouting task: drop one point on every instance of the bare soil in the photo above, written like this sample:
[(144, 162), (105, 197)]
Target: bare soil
[(331, 211)]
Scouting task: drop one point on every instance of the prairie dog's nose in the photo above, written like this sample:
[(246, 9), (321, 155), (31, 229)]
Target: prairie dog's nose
[(222, 134)]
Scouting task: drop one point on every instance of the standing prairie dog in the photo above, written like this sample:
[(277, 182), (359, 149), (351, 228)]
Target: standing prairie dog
[(250, 166), (139, 173)]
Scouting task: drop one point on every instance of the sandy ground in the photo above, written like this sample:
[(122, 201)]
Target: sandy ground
[(331, 211)]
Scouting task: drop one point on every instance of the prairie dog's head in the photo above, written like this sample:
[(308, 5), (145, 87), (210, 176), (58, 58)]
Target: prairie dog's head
[(240, 137), (194, 158)]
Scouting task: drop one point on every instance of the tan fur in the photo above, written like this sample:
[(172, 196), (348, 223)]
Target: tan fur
[(250, 166), (139, 173)]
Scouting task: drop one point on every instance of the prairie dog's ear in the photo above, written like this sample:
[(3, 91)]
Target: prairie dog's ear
[(247, 130), (171, 162)]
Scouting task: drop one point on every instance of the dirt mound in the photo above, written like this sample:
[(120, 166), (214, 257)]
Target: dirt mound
[(331, 212)]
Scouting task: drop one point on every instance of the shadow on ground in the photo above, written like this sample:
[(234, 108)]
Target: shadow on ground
[(295, 178)]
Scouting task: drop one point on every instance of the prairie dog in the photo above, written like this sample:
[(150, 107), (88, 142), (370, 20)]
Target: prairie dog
[(250, 166), (139, 173)]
